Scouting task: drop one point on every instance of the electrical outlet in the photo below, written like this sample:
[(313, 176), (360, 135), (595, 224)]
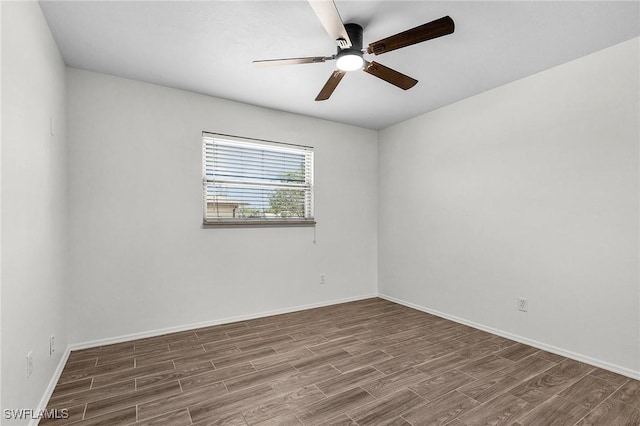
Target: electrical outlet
[(29, 364), (523, 304), (52, 345), (323, 279)]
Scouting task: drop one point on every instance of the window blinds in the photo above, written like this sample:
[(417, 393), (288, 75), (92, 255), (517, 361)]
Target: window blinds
[(246, 181)]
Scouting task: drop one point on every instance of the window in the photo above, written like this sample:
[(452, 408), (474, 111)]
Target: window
[(256, 182)]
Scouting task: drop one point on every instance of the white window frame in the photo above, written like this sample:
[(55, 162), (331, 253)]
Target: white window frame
[(213, 143)]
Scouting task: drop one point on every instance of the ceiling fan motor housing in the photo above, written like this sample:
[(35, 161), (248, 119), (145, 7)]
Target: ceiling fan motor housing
[(355, 34)]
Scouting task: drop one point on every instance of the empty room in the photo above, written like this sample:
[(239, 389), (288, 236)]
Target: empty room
[(274, 213)]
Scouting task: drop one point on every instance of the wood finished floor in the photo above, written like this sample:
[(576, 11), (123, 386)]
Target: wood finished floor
[(370, 362)]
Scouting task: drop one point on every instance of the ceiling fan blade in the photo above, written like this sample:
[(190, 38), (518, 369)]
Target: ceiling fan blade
[(424, 32), (330, 85), (329, 17), (291, 61), (390, 76)]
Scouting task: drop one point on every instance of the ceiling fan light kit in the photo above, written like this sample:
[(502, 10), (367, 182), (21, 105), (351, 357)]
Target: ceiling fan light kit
[(350, 58), (348, 39), (349, 62)]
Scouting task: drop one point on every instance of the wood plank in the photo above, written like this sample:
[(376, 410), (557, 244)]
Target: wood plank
[(609, 376), (528, 368), (289, 419), (89, 395), (181, 372), (179, 417), (588, 391), (556, 411), (612, 413), (282, 405), (629, 393), (214, 408), (489, 387), (348, 380), (403, 362), (170, 403), (386, 409), (72, 387), (443, 364), (257, 377), (570, 370), (318, 360), (281, 358), (442, 410), (341, 420), (131, 373), (130, 399), (124, 416), (502, 410), (517, 352), (485, 366), (394, 382), (540, 388), (360, 361), (304, 378), (317, 413), (241, 359), (78, 374), (435, 387), (215, 376)]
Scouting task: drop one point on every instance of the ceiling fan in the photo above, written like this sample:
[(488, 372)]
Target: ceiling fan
[(349, 56)]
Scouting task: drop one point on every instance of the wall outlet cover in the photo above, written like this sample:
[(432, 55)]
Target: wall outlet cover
[(523, 304)]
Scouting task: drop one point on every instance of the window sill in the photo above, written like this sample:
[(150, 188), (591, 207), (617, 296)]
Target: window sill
[(258, 223)]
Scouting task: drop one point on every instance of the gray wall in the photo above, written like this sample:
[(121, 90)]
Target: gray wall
[(528, 190), (34, 204), (141, 260)]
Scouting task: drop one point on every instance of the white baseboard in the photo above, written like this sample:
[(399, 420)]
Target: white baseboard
[(51, 386), (549, 348), (159, 332)]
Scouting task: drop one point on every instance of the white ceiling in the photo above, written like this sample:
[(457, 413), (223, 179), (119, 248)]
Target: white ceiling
[(207, 47)]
